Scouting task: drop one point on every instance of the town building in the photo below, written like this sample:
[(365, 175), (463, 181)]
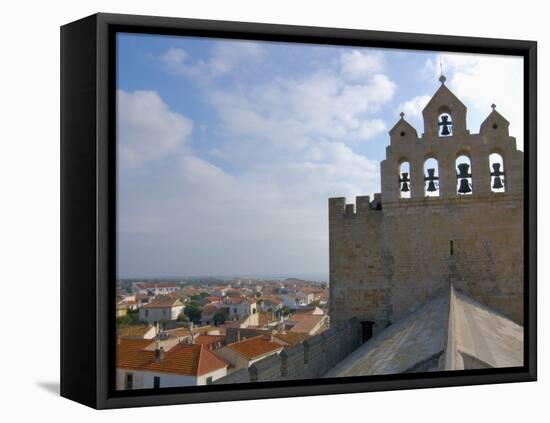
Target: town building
[(141, 364), (160, 309)]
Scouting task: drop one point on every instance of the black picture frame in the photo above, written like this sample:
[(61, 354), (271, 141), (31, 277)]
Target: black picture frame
[(88, 236)]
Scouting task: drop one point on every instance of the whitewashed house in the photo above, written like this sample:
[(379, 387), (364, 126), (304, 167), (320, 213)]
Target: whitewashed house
[(161, 309), (139, 365)]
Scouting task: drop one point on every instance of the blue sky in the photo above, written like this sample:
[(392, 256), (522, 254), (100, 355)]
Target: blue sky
[(229, 150)]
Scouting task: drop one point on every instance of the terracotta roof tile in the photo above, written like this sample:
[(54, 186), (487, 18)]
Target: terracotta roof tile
[(163, 301), (291, 338), (208, 339), (255, 347), (191, 360), (306, 323)]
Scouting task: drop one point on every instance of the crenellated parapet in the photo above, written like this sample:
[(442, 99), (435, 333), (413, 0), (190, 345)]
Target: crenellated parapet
[(363, 207)]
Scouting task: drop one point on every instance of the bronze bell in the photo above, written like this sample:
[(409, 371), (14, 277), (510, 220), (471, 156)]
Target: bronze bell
[(497, 183), (497, 173), (445, 126), (431, 178), (463, 170), (464, 187), (404, 179)]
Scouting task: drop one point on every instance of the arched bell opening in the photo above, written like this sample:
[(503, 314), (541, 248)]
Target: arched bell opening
[(464, 181), (404, 180), (431, 178), (498, 174)]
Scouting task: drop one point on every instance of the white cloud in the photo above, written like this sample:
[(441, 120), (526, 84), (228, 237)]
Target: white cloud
[(480, 80), (414, 106), (292, 114), (225, 57), (147, 129), (356, 66)]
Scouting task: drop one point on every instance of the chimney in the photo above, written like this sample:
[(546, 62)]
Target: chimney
[(271, 336), (159, 354), (238, 335)]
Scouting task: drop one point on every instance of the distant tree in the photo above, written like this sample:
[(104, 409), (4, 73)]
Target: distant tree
[(220, 316), (131, 318), (286, 310), (193, 311), (182, 317), (323, 285)]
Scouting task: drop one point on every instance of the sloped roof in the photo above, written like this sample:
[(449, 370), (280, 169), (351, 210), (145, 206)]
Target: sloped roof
[(255, 347), (191, 360), (134, 331), (450, 332), (483, 336), (443, 95), (291, 338), (306, 322), (163, 301)]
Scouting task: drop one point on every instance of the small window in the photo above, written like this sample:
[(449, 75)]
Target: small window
[(496, 168), (445, 124), (156, 382), (146, 313), (464, 183), (431, 178), (129, 381), (404, 180), (209, 380)]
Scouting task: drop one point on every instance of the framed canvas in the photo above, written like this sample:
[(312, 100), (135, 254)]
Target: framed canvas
[(258, 211)]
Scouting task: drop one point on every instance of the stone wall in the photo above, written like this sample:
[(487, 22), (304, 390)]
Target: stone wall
[(308, 360)]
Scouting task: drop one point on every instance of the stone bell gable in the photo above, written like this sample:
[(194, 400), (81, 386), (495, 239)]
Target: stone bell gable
[(444, 101), (450, 211)]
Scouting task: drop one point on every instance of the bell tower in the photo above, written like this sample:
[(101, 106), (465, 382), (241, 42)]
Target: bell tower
[(450, 211)]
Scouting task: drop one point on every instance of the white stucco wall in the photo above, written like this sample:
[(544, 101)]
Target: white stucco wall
[(145, 379), (152, 315)]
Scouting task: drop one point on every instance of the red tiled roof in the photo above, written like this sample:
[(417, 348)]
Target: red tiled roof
[(306, 323), (291, 338), (255, 347), (191, 360), (208, 339), (163, 301)]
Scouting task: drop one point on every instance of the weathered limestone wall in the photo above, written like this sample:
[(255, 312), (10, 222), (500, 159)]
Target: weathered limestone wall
[(359, 267), (308, 360)]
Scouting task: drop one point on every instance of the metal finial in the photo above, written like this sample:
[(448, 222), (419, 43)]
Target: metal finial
[(442, 78), (493, 106), (401, 114)]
